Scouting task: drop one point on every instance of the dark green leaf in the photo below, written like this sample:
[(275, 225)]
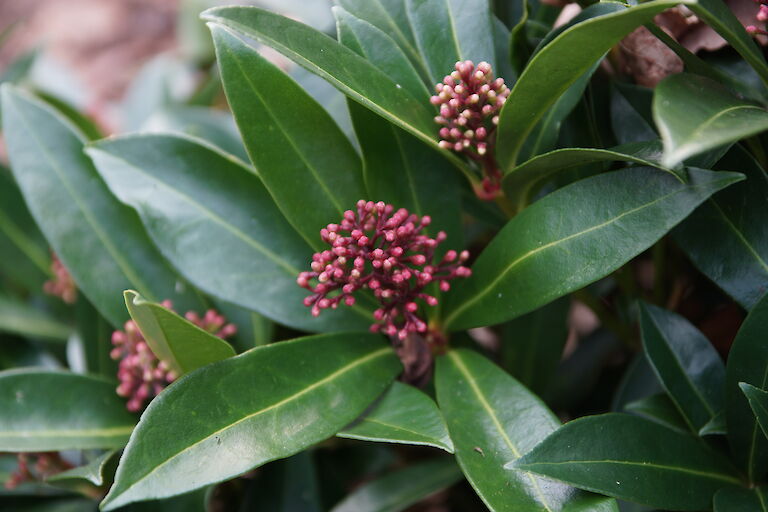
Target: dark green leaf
[(180, 343), (715, 426), (686, 363), (83, 123), (398, 490), (638, 382), (448, 31), (736, 217), (746, 500), (573, 237), (718, 15), (100, 241), (521, 182), (631, 116), (95, 334), (17, 317), (232, 416), (493, 419), (695, 114), (212, 217), (45, 410), (305, 161), (758, 401), (532, 345), (559, 64), (659, 408), (747, 362), (661, 468), (288, 485), (96, 472), (403, 415)]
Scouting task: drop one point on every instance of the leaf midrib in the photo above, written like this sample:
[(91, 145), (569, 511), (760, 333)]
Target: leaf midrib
[(740, 236), (25, 245), (497, 424), (328, 378), (99, 432), (122, 264), (555, 243), (664, 467)]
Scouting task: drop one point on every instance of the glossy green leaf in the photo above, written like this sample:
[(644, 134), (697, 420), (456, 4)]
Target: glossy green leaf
[(573, 237), (686, 363), (391, 17), (95, 472), (758, 401), (559, 64), (521, 182), (661, 468), (448, 31), (659, 408), (493, 419), (173, 339), (736, 217), (695, 114), (398, 168), (747, 363), (747, 500), (532, 345), (715, 426), (305, 161), (400, 489), (718, 15), (232, 416), (212, 217), (83, 123), (379, 49), (347, 71), (24, 255), (100, 241), (403, 415), (20, 318), (46, 410)]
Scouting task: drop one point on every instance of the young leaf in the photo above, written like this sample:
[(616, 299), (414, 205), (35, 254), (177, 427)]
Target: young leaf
[(350, 73), (659, 408), (180, 343), (403, 415), (229, 417), (399, 490), (712, 116), (747, 363), (559, 64), (758, 401), (522, 181), (100, 241), (731, 499), (686, 363), (448, 31), (660, 468), (212, 217), (492, 419), (553, 247), (47, 410), (305, 161), (17, 317), (532, 345), (736, 217)]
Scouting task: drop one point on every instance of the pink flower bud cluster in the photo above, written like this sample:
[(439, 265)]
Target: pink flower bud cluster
[(141, 374), (62, 285), (383, 250), (762, 16), (470, 100), (46, 464)]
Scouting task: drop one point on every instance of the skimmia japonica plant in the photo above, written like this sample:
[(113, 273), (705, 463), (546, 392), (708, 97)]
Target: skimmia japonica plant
[(458, 256)]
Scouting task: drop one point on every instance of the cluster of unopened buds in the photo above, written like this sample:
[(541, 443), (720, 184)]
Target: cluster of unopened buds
[(141, 374), (62, 285), (385, 251), (45, 464), (470, 99), (762, 16)]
